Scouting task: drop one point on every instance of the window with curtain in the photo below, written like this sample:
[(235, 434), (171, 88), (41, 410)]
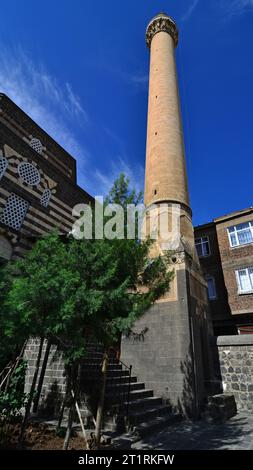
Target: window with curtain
[(202, 246), (241, 234), (244, 278), (211, 288)]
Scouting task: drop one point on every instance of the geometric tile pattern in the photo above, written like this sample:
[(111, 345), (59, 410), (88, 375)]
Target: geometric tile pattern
[(36, 145), (29, 173), (14, 212), (45, 198)]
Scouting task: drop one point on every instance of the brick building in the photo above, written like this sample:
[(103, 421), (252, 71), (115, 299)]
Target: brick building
[(225, 249), (38, 186)]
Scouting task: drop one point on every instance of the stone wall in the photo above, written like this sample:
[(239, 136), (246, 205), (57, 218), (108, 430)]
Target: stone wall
[(236, 368), (54, 385), (168, 346)]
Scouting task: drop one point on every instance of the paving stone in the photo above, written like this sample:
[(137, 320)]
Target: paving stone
[(234, 434)]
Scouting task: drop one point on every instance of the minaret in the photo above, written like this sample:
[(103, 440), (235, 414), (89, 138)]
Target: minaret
[(173, 356), (165, 178), (165, 162)]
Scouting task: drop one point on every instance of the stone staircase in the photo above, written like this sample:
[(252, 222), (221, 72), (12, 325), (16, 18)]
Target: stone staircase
[(129, 405)]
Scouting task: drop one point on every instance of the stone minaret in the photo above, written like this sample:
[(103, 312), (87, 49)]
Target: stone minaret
[(166, 179), (173, 356), (165, 163)]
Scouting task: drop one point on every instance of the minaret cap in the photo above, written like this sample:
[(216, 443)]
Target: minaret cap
[(161, 22)]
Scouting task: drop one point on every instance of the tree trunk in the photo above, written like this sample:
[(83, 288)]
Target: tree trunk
[(75, 381), (65, 399), (100, 408), (81, 422), (29, 402), (41, 378)]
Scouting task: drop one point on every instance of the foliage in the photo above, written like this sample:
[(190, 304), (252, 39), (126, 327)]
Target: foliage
[(11, 332), (65, 290), (40, 295), (14, 398)]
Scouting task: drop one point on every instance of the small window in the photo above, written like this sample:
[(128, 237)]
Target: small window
[(45, 198), (202, 246), (241, 234), (244, 279), (29, 173), (14, 212), (212, 295), (36, 145)]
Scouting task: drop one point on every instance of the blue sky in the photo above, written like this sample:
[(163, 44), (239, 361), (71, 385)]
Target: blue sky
[(80, 69)]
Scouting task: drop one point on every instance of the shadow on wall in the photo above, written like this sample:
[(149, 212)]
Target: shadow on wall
[(50, 404), (187, 405), (193, 400)]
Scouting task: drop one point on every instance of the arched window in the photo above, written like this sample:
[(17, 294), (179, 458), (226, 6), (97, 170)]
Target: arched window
[(3, 166)]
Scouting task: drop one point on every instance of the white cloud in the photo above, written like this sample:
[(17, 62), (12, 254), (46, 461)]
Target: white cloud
[(58, 110), (139, 79), (235, 7), (119, 165), (48, 103), (190, 10)]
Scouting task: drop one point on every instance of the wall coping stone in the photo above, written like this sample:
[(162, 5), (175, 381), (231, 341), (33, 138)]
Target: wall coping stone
[(234, 340)]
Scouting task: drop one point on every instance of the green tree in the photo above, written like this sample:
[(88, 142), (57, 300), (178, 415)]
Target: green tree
[(119, 282), (65, 290), (39, 302)]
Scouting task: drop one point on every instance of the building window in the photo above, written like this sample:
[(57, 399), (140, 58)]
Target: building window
[(241, 234), (45, 198), (202, 246), (3, 166), (244, 280), (29, 173), (14, 212), (36, 145), (211, 288)]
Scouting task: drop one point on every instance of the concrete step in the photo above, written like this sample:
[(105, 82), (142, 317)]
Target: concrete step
[(144, 403), (123, 387), (98, 364), (155, 425), (148, 414), (91, 371), (114, 380), (143, 393), (133, 396)]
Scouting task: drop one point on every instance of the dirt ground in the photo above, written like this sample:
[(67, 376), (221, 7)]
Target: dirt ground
[(38, 437)]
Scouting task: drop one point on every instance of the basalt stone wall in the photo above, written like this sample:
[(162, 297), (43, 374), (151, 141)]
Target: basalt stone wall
[(236, 368), (54, 384), (165, 348)]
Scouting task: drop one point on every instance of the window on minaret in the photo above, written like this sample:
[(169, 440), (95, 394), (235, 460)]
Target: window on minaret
[(202, 246)]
